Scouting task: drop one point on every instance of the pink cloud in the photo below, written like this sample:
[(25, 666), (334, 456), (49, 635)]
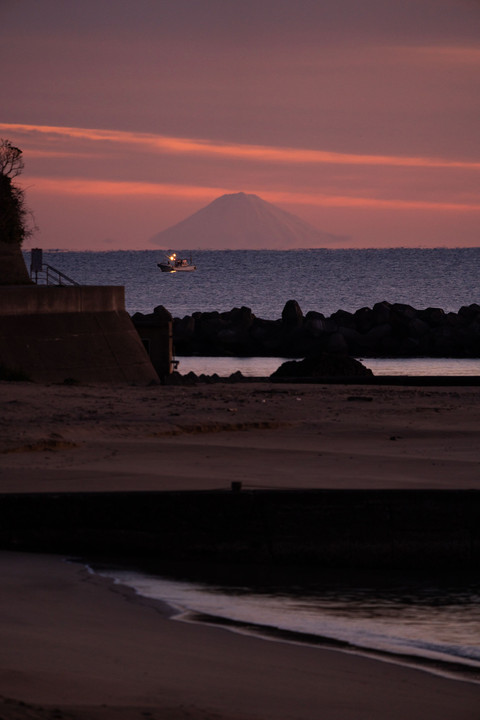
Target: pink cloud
[(258, 153), (83, 187), (108, 175)]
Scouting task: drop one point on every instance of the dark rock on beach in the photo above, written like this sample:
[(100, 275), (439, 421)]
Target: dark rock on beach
[(322, 365)]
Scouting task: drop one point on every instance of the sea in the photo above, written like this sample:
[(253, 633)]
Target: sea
[(264, 280), (429, 621)]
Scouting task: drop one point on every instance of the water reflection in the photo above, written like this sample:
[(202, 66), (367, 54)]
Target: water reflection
[(264, 367)]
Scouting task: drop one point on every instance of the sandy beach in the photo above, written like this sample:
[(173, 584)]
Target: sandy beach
[(56, 437), (75, 646)]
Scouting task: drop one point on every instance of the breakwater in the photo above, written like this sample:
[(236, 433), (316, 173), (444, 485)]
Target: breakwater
[(375, 530), (384, 330)]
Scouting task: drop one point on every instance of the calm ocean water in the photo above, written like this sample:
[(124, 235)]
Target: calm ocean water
[(263, 280), (263, 367)]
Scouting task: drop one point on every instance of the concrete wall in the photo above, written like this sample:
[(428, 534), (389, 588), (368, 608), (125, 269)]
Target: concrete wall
[(43, 299), (51, 334), (375, 530), (156, 332), (13, 270)]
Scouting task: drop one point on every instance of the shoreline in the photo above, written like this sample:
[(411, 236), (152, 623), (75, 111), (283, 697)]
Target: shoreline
[(462, 671), (192, 378), (86, 643), (441, 668)]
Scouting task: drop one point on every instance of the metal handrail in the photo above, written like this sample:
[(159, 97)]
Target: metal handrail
[(52, 276), (60, 276)]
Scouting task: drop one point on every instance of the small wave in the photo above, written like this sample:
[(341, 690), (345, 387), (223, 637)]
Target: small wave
[(402, 626)]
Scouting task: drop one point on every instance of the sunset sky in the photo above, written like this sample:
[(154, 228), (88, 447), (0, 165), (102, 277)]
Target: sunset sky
[(362, 117)]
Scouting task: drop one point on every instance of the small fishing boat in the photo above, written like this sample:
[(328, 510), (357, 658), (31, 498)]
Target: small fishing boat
[(174, 264)]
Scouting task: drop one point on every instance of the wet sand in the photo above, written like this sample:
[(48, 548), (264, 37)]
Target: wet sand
[(73, 645)]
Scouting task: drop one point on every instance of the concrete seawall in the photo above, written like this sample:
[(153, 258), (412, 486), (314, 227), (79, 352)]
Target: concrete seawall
[(82, 333), (375, 530), (42, 299)]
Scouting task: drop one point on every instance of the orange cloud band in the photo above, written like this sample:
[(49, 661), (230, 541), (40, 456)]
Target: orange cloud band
[(111, 189), (260, 153)]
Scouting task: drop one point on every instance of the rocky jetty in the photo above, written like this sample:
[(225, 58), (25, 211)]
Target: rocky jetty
[(385, 330)]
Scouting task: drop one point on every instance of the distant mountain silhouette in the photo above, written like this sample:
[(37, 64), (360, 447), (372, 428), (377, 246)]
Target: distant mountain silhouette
[(245, 222)]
